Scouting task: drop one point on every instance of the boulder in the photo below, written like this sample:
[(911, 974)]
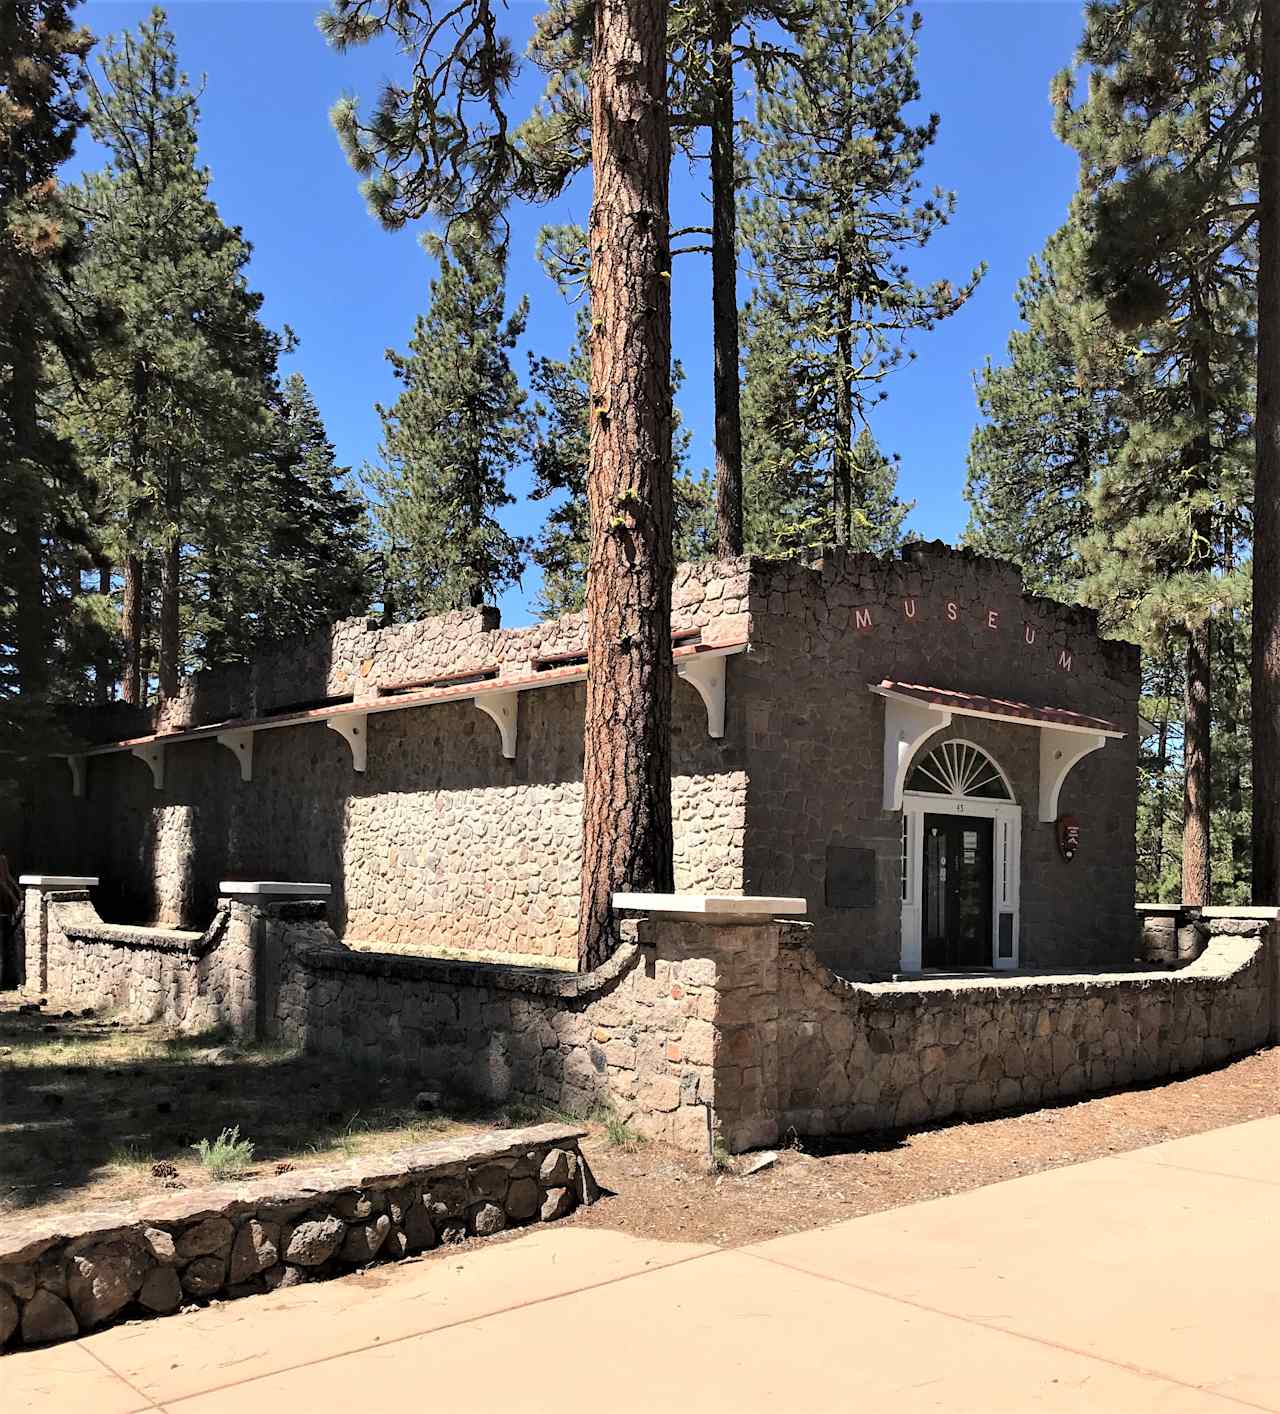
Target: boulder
[(281, 1277), (355, 1207), (257, 1247), (490, 1182), (205, 1238), (487, 1218), (161, 1292), (522, 1199), (312, 1243), (447, 1198), (419, 1230), (160, 1244), (364, 1241), (556, 1170), (104, 1279), (18, 1279), (557, 1204), (204, 1276), (51, 1274), (45, 1318), (8, 1316)]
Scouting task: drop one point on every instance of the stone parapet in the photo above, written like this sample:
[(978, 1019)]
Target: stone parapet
[(65, 1275)]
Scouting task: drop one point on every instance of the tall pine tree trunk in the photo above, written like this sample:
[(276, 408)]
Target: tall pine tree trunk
[(842, 441), (627, 833), (724, 287), (31, 649), (102, 668), (131, 615), (170, 665), (1196, 722), (1266, 496)]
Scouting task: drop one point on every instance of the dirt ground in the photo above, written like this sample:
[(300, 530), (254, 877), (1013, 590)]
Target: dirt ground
[(88, 1107)]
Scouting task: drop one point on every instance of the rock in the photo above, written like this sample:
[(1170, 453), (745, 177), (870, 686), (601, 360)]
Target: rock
[(452, 1233), (487, 1218), (419, 1230), (311, 1243), (104, 1279), (556, 1170), (204, 1276), (87, 1012), (255, 1286), (355, 1207), (447, 1198), (281, 1277), (522, 1199), (588, 1188), (427, 1100), (51, 1274), (255, 1249), (557, 1204), (162, 1291), (19, 1279), (364, 1241), (160, 1244), (8, 1316), (45, 1318), (399, 1201), (490, 1182), (205, 1238), (396, 1245), (759, 1164)]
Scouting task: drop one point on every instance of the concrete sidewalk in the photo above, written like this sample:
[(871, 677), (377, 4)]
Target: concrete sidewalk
[(1149, 1281)]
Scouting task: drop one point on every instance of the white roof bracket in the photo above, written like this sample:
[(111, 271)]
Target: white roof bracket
[(77, 765), (153, 755), (707, 675), (503, 708), (352, 728), (1059, 752), (240, 744), (906, 726)]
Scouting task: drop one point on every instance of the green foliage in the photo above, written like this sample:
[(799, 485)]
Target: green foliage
[(451, 439), (227, 1156), (621, 1135), (836, 206), (44, 533)]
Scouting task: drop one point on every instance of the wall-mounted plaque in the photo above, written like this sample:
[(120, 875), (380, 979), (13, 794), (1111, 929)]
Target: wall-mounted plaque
[(851, 877), (1068, 836)]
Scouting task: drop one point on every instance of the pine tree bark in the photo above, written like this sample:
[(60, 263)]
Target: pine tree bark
[(842, 441), (31, 652), (1266, 498), (131, 617), (724, 287), (627, 833), (102, 668), (1195, 745)]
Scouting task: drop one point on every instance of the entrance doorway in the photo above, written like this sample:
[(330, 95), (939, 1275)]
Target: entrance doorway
[(958, 860)]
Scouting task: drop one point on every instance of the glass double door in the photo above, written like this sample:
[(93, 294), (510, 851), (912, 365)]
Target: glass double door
[(957, 887)]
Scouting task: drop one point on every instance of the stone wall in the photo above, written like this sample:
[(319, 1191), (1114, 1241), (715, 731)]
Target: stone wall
[(63, 1276), (695, 1031)]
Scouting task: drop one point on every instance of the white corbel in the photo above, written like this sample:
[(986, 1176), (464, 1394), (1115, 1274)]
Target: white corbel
[(504, 710), (153, 755), (707, 676), (77, 765), (906, 726), (240, 744), (1059, 752), (352, 729)]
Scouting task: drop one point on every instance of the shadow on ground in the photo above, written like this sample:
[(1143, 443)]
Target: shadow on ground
[(88, 1105)]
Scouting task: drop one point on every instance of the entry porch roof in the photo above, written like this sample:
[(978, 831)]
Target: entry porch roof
[(915, 711)]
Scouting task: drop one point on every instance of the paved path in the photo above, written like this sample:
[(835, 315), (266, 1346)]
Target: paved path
[(1149, 1281)]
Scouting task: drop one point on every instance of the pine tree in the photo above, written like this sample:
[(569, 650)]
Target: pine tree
[(451, 439), (175, 421), (439, 146), (836, 170), (41, 496), (1049, 424), (560, 456), (1171, 257)]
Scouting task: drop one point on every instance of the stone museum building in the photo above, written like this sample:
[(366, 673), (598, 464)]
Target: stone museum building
[(941, 766)]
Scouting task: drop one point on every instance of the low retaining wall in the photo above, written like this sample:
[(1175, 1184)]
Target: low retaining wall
[(73, 1273), (693, 1032)]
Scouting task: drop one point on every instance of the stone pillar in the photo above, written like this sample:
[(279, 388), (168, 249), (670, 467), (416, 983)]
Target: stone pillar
[(33, 955), (258, 909), (730, 945)]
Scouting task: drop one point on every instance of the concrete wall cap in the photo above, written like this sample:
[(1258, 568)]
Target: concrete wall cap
[(710, 905), (1239, 910), (58, 881), (274, 888)]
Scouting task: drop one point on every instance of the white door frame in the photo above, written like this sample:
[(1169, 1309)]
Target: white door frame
[(1006, 868)]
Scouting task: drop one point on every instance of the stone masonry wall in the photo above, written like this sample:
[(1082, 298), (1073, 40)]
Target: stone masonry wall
[(62, 1277), (442, 841), (693, 1031)]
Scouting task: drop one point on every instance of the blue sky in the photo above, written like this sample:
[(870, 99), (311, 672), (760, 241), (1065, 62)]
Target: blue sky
[(349, 289)]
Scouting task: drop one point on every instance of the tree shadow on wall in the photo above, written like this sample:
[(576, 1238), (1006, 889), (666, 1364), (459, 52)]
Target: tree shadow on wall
[(90, 1105)]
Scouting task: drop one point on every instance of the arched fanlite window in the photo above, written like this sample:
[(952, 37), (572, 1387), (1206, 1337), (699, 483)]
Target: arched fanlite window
[(960, 769)]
